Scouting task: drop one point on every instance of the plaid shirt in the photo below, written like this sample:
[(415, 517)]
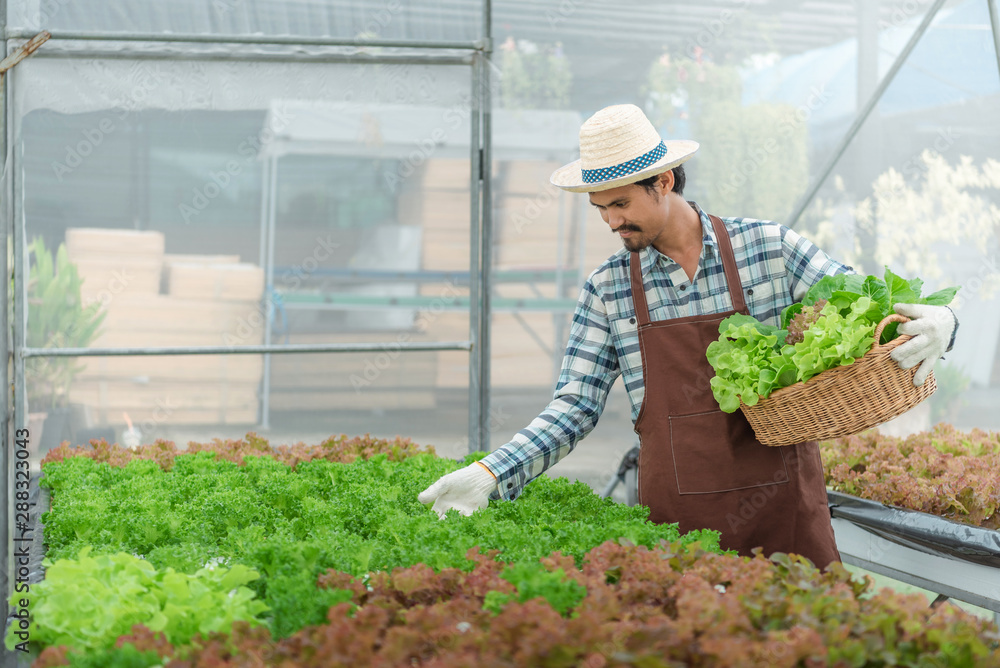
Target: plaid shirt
[(776, 266)]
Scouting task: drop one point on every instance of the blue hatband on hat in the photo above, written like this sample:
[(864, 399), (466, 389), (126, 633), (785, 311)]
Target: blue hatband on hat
[(624, 169)]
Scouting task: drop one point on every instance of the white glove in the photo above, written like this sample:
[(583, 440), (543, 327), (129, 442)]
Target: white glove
[(931, 328), (466, 490)]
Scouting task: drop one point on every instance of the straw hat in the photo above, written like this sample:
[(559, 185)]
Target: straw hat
[(619, 146)]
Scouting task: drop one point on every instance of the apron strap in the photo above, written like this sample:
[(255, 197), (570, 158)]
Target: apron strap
[(638, 290), (728, 265)]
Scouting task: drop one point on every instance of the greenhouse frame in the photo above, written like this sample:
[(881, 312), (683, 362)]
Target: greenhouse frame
[(409, 246)]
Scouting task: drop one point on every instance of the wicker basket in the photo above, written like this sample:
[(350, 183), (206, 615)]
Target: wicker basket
[(840, 401)]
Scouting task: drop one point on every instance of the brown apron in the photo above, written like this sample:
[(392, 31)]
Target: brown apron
[(704, 468)]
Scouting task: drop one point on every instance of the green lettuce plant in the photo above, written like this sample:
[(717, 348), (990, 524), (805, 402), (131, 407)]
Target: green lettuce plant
[(833, 326), (628, 601), (88, 602), (532, 579), (290, 524), (666, 606)]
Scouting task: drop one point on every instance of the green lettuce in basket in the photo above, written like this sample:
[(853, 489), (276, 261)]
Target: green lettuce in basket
[(832, 326)]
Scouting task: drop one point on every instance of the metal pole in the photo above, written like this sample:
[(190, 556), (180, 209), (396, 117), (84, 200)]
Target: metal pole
[(288, 348), (265, 188), (581, 218), (861, 160), (475, 282), (558, 321), (486, 240), (995, 23), (264, 195), (582, 269), (270, 40), (327, 58), (272, 202), (863, 115), (11, 438), (5, 433), (21, 273)]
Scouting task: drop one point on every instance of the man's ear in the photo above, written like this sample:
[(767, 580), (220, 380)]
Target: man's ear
[(666, 182)]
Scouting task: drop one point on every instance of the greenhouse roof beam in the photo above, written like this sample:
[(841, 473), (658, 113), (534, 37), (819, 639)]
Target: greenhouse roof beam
[(244, 350), (289, 40), (863, 115), (258, 57), (995, 24)]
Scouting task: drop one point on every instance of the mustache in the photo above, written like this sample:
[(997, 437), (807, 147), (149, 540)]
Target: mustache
[(625, 228)]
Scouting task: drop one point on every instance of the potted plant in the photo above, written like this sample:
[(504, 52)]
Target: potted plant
[(57, 318)]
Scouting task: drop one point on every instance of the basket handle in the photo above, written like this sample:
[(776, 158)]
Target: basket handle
[(892, 317)]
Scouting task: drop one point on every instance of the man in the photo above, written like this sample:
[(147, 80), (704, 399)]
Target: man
[(648, 314)]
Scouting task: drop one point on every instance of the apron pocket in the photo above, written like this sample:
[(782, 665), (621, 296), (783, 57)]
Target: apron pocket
[(717, 452)]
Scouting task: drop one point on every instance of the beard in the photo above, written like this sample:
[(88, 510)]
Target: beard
[(636, 241), (635, 244)]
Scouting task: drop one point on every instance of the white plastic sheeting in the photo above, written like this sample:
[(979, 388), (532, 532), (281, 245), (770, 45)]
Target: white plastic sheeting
[(403, 131), (74, 86), (180, 111), (438, 19)]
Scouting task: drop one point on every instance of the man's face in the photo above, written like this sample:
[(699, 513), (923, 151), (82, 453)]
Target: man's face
[(632, 212)]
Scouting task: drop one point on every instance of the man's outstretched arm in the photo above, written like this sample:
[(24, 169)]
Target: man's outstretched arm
[(589, 369)]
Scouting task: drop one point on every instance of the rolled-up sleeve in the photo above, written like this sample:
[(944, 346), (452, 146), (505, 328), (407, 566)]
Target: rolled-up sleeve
[(589, 369)]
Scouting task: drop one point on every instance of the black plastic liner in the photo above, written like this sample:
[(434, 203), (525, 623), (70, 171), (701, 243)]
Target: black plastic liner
[(920, 531)]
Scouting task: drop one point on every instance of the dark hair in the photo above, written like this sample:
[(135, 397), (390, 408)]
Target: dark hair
[(680, 180)]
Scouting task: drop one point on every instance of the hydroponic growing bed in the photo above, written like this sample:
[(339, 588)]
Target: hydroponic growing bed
[(921, 509), (238, 554)]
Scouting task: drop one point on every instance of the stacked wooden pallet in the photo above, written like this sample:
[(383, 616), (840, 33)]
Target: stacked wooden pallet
[(442, 208), (154, 299), (116, 262)]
